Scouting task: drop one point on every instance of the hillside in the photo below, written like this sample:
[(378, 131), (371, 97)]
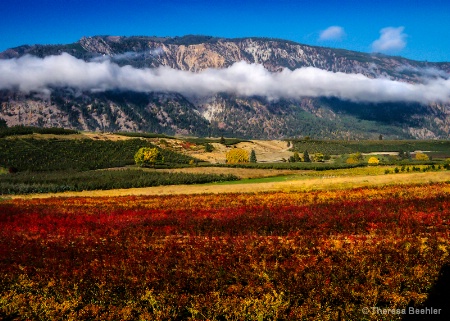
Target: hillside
[(228, 113)]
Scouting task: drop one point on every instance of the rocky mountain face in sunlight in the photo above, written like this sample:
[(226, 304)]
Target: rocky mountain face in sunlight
[(224, 113)]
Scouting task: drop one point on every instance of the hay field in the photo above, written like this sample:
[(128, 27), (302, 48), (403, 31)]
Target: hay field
[(323, 183)]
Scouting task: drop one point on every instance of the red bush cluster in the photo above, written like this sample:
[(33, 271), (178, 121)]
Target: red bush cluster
[(271, 256)]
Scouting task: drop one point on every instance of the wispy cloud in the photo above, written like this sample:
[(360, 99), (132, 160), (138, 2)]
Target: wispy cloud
[(36, 74), (391, 40), (427, 72), (130, 55), (332, 33)]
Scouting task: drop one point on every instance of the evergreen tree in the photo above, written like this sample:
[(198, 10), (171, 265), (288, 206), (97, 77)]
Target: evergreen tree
[(208, 148), (306, 157), (253, 157)]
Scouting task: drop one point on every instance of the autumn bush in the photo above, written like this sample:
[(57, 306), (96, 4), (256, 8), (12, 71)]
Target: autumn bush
[(236, 156), (268, 256), (146, 156), (422, 157), (318, 157), (373, 161), (352, 160)]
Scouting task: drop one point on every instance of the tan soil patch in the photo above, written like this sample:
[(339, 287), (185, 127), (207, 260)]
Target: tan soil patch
[(266, 151), (106, 136)]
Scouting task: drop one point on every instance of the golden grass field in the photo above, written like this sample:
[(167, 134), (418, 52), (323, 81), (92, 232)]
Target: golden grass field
[(300, 183)]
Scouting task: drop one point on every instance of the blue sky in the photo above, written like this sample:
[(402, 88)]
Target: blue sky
[(417, 30)]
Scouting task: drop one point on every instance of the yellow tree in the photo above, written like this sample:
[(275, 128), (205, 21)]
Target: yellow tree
[(422, 157), (373, 161), (237, 155), (352, 160), (147, 156), (318, 157)]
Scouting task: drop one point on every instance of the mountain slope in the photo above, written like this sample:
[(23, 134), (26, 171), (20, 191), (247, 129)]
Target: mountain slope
[(228, 114)]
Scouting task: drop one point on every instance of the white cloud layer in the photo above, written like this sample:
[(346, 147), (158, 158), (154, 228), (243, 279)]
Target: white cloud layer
[(35, 74), (129, 55), (332, 33), (391, 40)]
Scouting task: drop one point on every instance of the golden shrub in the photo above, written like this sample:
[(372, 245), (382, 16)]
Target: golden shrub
[(373, 161), (237, 155), (318, 157), (146, 156), (352, 160), (422, 157)]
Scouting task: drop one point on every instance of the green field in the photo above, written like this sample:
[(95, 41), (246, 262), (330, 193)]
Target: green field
[(58, 163), (53, 182), (25, 130), (335, 147), (29, 154)]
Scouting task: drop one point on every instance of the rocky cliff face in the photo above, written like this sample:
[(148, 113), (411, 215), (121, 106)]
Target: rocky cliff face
[(199, 53), (225, 114)]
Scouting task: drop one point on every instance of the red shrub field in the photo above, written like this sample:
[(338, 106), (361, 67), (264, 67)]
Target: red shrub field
[(319, 255)]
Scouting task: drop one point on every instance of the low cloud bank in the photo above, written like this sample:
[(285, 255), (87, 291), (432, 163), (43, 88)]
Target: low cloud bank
[(30, 73), (129, 55)]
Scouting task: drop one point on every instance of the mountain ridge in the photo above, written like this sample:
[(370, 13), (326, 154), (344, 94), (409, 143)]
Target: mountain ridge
[(228, 114), (110, 45)]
